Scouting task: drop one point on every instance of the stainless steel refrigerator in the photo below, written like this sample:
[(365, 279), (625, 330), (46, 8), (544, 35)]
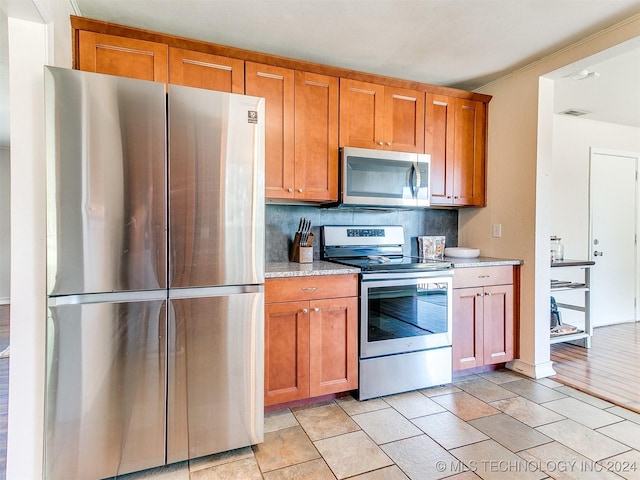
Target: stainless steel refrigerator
[(155, 270)]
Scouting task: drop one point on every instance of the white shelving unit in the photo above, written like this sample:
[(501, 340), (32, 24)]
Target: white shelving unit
[(581, 337)]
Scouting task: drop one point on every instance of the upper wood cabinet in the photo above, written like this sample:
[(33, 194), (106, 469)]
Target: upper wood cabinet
[(316, 137), (381, 117), (311, 110), (455, 139), (203, 70), (277, 86), (127, 57), (301, 143)]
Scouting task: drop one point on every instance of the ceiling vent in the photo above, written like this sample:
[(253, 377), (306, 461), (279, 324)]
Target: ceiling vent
[(575, 112)]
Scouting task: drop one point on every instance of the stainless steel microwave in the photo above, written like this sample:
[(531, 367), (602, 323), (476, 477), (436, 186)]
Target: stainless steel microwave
[(383, 178)]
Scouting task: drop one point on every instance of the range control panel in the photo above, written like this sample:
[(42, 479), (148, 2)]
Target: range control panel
[(365, 232), (372, 235)]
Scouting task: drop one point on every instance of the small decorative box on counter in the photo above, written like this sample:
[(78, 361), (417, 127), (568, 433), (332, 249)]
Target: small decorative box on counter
[(431, 246)]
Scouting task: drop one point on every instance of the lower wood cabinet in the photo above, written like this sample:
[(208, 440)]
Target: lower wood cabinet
[(483, 316), (311, 337)]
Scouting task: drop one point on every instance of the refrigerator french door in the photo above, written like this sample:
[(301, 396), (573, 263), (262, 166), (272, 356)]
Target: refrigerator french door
[(216, 272), (155, 271)]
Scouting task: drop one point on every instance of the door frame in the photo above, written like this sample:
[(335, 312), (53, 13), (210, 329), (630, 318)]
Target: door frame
[(618, 153)]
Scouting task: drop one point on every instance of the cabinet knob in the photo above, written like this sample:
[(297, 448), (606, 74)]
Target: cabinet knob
[(388, 144), (305, 310), (380, 143), (597, 253), (479, 295), (290, 190), (316, 309), (299, 190), (488, 294)]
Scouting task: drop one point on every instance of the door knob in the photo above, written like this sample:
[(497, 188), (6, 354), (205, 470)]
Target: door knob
[(597, 253)]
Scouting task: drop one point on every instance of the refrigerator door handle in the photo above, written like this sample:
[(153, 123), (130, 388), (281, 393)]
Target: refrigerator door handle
[(214, 291), (112, 297)]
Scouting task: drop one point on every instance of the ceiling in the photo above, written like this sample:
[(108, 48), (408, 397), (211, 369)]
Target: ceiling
[(457, 43)]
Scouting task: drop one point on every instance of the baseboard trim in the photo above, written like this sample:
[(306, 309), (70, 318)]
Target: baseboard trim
[(540, 370)]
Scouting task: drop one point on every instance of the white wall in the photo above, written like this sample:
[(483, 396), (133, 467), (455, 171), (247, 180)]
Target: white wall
[(32, 44), (519, 187), (572, 140), (5, 226), (5, 237), (28, 308)]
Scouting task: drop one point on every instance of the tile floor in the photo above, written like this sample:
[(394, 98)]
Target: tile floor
[(497, 425)]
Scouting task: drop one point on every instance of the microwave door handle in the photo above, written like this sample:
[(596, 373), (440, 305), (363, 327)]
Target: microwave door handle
[(408, 184), (417, 180)]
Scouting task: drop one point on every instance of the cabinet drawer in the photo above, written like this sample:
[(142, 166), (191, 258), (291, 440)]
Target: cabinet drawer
[(482, 276), (310, 288)]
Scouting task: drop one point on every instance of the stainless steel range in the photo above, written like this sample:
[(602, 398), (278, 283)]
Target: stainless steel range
[(405, 309)]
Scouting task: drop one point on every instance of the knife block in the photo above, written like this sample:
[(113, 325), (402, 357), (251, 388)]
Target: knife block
[(301, 254)]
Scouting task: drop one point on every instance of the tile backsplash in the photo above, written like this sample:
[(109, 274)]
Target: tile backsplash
[(282, 222)]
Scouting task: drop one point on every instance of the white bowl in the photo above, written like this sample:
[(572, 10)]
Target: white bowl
[(461, 252)]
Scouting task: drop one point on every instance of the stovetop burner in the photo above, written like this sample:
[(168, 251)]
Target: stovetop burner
[(373, 249), (376, 263)]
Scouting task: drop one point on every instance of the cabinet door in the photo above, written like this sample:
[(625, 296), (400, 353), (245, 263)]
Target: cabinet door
[(467, 328), (361, 114), (126, 57), (403, 120), (316, 137), (498, 324), (204, 70), (439, 143), (469, 151), (276, 85), (333, 345), (286, 366)]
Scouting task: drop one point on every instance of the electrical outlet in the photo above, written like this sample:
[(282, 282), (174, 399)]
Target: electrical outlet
[(497, 230)]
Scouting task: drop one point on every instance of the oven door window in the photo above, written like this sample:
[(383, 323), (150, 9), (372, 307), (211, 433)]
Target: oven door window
[(406, 317)]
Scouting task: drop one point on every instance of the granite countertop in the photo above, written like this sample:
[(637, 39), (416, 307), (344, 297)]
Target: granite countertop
[(321, 267), (318, 267), (481, 262)]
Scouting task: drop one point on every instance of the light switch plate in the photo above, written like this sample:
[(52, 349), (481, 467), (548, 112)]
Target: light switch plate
[(497, 230)]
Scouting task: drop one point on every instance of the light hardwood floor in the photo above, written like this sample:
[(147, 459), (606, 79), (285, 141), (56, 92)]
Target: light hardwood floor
[(610, 369)]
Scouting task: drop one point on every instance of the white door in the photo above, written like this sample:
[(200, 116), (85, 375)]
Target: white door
[(613, 214)]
